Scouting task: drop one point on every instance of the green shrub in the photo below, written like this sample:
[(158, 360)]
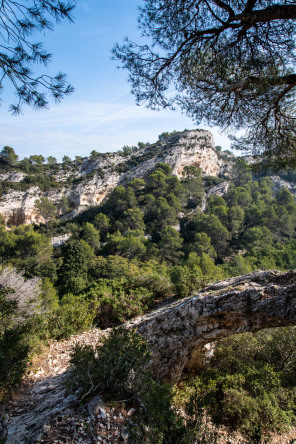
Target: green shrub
[(240, 410), (186, 280), (117, 367), (17, 333), (250, 382), (73, 316), (115, 301), (43, 181), (113, 366), (272, 415), (160, 420), (8, 309), (14, 357), (48, 296), (154, 278)]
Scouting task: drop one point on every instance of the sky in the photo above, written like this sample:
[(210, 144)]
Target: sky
[(101, 115)]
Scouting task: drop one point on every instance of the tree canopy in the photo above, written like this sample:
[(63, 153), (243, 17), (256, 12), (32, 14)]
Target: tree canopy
[(8, 155), (231, 63), (18, 53)]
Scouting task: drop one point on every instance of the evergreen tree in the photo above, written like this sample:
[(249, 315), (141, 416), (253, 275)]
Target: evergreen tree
[(20, 21), (170, 245), (72, 273), (46, 209), (132, 219), (8, 156), (102, 224), (63, 205), (90, 235), (230, 62)]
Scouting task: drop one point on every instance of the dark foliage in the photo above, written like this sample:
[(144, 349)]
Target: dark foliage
[(19, 21), (231, 63)]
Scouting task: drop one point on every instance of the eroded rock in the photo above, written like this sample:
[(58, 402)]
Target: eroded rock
[(178, 332)]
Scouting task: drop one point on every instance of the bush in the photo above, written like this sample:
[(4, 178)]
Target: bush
[(241, 410), (14, 356), (250, 382), (154, 278), (161, 423), (117, 367), (17, 308), (73, 316), (186, 280), (113, 366), (8, 308), (115, 301)]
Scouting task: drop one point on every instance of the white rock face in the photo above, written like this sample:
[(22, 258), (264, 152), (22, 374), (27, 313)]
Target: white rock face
[(194, 148), (94, 179), (57, 241), (279, 183), (15, 176), (93, 191), (17, 207), (219, 190)]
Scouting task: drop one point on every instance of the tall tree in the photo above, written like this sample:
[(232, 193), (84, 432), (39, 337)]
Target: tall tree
[(72, 274), (8, 155), (19, 20), (102, 223), (231, 62), (170, 245), (90, 235)]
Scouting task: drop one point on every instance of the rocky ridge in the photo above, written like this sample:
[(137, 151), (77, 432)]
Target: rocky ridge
[(88, 182), (178, 333)]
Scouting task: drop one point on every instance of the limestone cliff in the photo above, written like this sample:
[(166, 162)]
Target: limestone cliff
[(88, 182)]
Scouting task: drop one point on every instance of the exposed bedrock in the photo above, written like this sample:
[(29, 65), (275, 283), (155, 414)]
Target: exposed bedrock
[(178, 332)]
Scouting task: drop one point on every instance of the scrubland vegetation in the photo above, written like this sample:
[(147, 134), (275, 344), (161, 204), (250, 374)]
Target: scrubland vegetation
[(147, 242)]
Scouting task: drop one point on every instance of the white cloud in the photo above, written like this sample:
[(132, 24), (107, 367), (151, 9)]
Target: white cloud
[(77, 128)]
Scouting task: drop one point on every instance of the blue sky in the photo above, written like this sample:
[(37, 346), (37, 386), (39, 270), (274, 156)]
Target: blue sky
[(101, 114)]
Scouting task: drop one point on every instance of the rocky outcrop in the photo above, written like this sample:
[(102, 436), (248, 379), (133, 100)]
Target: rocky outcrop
[(194, 148), (279, 183), (178, 333), (57, 241), (17, 207), (219, 190), (14, 176), (88, 182)]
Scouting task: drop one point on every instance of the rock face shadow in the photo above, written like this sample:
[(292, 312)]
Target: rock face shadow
[(43, 396), (46, 399)]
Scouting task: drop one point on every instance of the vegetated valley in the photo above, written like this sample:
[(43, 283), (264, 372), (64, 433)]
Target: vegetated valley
[(94, 242)]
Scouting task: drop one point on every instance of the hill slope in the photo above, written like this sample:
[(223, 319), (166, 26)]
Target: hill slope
[(86, 182)]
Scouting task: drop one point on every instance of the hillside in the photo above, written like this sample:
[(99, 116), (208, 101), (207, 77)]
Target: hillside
[(43, 411), (180, 214), (87, 181)]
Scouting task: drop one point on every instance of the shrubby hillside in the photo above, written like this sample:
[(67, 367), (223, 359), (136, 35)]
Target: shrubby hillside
[(154, 238)]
